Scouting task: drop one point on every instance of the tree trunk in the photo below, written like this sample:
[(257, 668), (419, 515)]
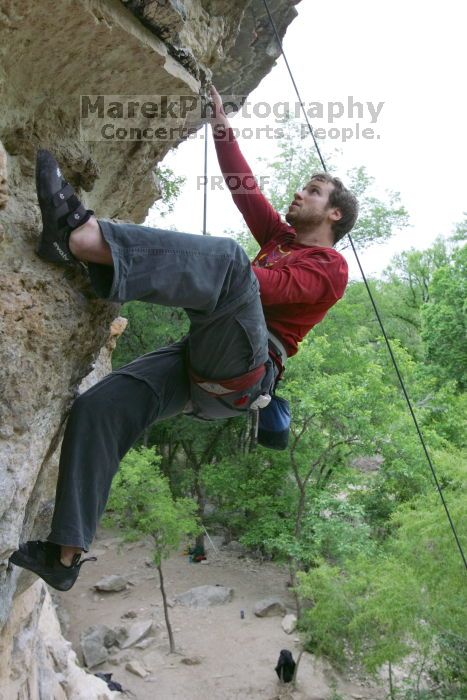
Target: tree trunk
[(166, 611), (294, 679), (293, 581), (300, 511), (391, 686), (201, 501), (419, 675), (293, 564)]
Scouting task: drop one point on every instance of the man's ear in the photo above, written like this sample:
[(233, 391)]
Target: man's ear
[(335, 214)]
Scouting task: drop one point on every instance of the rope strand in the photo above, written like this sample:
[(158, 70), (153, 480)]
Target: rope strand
[(205, 193)]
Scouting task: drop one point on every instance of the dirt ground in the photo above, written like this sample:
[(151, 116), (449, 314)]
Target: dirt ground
[(234, 657)]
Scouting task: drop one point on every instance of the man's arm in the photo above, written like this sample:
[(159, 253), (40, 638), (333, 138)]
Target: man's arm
[(261, 218), (319, 277)]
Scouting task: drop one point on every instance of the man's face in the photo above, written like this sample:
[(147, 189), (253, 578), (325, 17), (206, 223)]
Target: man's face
[(310, 206)]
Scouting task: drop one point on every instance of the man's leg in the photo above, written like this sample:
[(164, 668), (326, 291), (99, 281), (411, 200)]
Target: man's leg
[(103, 424), (211, 277), (205, 274), (89, 245)]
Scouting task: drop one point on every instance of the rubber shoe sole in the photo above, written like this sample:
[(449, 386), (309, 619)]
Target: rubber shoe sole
[(43, 559)]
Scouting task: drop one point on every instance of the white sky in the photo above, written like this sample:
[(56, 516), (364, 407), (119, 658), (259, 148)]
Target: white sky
[(409, 55)]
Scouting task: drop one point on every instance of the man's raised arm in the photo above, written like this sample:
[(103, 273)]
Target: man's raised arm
[(261, 218)]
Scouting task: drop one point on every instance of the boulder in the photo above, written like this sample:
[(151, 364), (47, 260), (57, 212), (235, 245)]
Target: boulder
[(289, 623), (121, 635), (111, 583), (136, 632), (269, 607), (205, 596), (95, 644)]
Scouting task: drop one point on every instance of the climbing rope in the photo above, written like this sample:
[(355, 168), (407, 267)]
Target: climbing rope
[(205, 193), (394, 362)]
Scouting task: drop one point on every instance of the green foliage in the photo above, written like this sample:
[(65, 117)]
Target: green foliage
[(409, 598), (444, 320), (149, 327), (252, 495), (412, 271), (292, 167), (142, 504), (335, 528), (460, 231)]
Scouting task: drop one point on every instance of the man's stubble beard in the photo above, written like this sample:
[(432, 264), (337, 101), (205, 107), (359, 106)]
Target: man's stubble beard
[(311, 220)]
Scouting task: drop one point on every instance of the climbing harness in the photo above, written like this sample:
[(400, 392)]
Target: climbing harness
[(227, 398)]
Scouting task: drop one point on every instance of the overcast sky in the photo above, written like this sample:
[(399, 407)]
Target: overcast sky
[(409, 56)]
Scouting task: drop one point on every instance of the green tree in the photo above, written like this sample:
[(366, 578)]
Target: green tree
[(409, 598), (280, 502), (406, 288), (149, 327), (412, 272), (444, 320), (141, 503)]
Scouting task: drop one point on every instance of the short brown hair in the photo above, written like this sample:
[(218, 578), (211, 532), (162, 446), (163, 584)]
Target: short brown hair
[(343, 199)]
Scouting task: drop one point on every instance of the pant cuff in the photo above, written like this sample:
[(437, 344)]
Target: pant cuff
[(68, 541), (105, 279)]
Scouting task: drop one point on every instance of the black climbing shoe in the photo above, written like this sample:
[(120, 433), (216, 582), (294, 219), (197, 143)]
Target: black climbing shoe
[(61, 210), (43, 558)]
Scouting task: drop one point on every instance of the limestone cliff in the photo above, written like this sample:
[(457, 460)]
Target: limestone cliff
[(51, 325)]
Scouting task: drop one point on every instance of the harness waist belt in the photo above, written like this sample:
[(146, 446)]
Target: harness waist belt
[(221, 387), (212, 399)]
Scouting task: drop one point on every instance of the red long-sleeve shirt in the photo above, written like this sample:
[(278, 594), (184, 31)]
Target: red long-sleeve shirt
[(298, 283)]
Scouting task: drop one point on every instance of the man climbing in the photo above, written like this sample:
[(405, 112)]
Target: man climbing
[(245, 319)]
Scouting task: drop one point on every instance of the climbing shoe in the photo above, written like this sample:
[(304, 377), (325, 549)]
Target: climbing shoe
[(43, 558), (61, 211)]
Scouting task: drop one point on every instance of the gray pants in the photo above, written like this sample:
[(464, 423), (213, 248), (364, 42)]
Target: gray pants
[(211, 278)]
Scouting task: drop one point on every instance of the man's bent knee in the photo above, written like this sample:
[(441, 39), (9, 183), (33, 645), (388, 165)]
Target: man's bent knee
[(236, 252)]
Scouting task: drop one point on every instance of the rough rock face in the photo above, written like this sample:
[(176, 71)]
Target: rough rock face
[(32, 641), (230, 41), (51, 325)]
